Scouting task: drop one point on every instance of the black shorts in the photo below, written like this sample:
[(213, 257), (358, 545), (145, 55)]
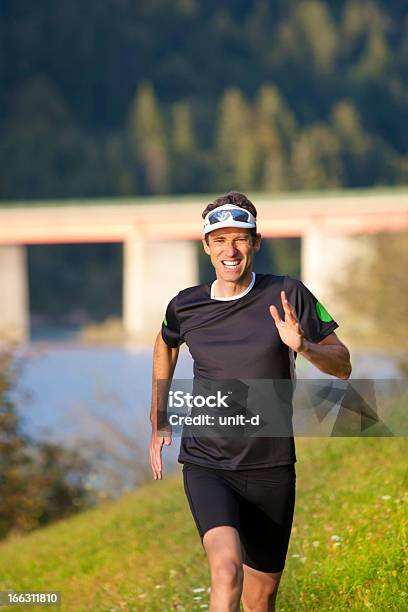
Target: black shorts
[(259, 503)]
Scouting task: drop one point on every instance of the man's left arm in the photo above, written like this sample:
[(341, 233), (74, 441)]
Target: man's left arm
[(329, 355)]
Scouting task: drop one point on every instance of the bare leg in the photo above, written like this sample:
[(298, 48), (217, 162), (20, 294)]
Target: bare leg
[(260, 590), (223, 548)]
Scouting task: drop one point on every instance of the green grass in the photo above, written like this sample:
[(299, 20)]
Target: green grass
[(348, 548)]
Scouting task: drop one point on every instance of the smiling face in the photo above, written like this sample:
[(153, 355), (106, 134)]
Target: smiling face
[(232, 251)]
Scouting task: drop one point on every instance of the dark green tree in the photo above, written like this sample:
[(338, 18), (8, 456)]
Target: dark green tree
[(149, 140), (315, 34), (235, 142), (19, 503), (316, 159), (355, 144), (275, 130), (365, 28), (41, 150), (40, 481), (68, 82), (184, 149)]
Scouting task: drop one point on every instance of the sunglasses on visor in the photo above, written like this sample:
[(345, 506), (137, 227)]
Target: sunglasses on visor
[(226, 215)]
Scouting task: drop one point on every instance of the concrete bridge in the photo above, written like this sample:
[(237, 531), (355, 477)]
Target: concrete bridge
[(159, 250)]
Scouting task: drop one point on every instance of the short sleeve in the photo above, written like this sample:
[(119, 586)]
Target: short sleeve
[(314, 319), (171, 326)]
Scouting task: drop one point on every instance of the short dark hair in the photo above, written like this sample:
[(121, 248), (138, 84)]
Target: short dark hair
[(237, 199), (232, 197)]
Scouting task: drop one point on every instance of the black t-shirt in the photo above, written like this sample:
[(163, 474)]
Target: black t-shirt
[(237, 339)]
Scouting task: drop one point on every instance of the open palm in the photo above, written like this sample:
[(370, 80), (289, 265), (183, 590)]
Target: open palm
[(289, 329)]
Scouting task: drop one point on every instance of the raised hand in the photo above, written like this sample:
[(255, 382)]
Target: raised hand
[(289, 329)]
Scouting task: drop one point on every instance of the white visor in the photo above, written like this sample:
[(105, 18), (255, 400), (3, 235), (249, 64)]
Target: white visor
[(228, 216)]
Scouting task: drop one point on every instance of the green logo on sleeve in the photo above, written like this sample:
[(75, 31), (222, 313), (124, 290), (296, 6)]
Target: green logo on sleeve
[(322, 313), (165, 321)]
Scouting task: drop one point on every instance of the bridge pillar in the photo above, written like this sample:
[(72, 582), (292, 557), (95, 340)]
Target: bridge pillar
[(14, 309), (326, 259), (153, 273)]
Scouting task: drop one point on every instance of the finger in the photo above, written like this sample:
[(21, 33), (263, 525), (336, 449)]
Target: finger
[(159, 472), (167, 439), (153, 463), (299, 327), (157, 443), (291, 319), (158, 463), (285, 303), (158, 456), (293, 312), (167, 435), (275, 315), (288, 308)]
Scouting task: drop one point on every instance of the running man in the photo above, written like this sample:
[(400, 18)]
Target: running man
[(244, 325)]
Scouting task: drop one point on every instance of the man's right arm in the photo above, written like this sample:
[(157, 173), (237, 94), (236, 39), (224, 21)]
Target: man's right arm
[(164, 363)]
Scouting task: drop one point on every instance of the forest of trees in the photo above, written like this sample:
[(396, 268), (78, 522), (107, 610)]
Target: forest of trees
[(158, 96)]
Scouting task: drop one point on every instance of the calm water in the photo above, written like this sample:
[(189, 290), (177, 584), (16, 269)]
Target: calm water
[(71, 383), (74, 390), (80, 394)]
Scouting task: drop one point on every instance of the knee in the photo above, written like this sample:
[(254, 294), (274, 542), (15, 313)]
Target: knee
[(227, 574), (261, 600)]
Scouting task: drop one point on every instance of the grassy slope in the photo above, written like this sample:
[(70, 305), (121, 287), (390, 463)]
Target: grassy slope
[(143, 553)]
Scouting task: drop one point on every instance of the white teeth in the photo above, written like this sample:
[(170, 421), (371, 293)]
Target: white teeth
[(231, 264)]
